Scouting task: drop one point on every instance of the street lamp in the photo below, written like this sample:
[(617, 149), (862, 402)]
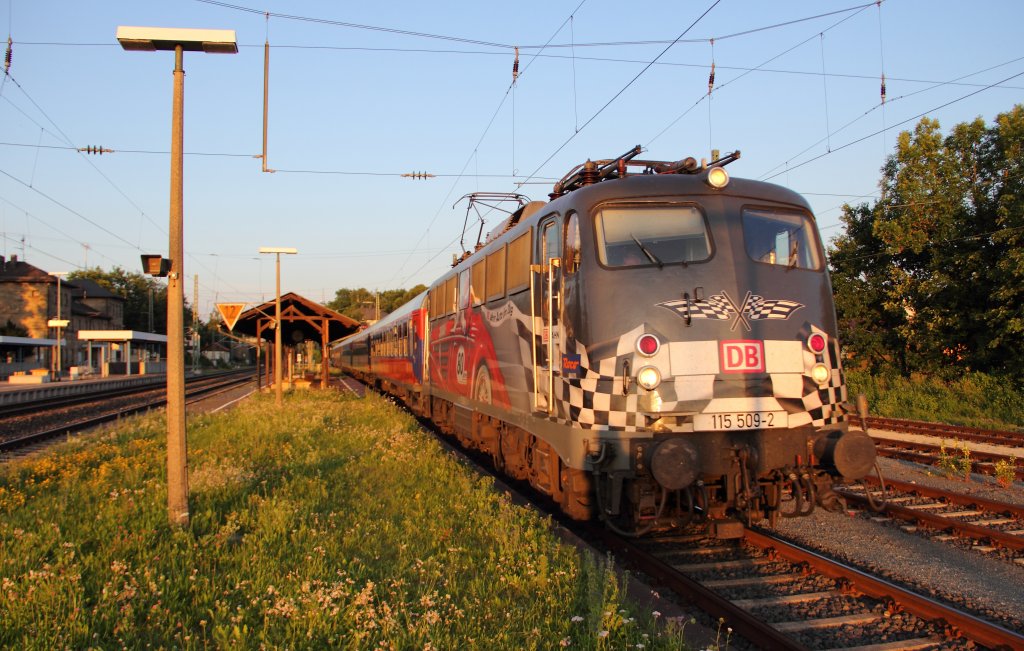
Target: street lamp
[(278, 380), (58, 322), (148, 39)]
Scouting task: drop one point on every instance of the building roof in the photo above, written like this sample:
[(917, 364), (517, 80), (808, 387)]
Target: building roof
[(19, 271), (121, 335), (86, 288), (87, 311), (301, 319)]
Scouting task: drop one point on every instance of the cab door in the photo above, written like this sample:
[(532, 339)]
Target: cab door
[(548, 282)]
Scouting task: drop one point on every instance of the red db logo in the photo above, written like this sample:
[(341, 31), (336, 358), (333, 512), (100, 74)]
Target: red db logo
[(744, 356)]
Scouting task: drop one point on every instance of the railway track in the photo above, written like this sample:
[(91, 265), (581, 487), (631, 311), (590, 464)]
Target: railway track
[(947, 513), (779, 595), (982, 461), (995, 437), (782, 596), (196, 389)]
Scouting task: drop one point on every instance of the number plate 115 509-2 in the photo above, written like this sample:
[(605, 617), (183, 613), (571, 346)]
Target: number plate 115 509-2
[(740, 420)]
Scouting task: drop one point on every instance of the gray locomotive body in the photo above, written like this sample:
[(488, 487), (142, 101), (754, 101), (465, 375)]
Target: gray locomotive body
[(660, 346)]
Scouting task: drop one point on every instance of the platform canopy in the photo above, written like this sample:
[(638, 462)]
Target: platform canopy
[(301, 320)]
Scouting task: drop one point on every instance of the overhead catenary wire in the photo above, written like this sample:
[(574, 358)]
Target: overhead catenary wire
[(623, 89), (898, 124), (473, 154), (876, 107)]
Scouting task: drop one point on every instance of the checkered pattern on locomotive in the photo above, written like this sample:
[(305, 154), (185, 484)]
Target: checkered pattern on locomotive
[(595, 400)]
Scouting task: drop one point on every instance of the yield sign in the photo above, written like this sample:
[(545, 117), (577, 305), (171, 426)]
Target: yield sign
[(230, 312)]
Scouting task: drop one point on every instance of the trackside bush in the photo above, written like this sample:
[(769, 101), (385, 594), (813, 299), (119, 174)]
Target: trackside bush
[(976, 399)]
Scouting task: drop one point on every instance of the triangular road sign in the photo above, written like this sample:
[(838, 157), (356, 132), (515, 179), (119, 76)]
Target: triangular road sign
[(230, 312)]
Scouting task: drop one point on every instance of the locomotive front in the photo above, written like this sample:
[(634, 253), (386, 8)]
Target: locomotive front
[(699, 351)]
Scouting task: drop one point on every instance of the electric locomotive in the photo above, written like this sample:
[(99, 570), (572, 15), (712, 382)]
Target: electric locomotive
[(656, 343)]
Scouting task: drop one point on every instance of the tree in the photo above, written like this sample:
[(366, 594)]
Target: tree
[(932, 276), (12, 329), (137, 289), (350, 302)]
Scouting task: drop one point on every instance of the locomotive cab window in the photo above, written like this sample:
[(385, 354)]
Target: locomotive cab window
[(572, 244), (780, 237), (656, 234)]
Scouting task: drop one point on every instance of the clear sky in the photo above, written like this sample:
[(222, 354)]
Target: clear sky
[(363, 92)]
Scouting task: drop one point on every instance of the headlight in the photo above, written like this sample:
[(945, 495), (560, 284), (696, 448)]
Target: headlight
[(648, 377), (718, 178), (820, 373)]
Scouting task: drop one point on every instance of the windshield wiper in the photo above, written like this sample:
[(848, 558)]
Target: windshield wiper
[(650, 255)]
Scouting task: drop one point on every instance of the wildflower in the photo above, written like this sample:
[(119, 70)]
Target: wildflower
[(656, 614), (602, 634), (576, 619), (566, 641)]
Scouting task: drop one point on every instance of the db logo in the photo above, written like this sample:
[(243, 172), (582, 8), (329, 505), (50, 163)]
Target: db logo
[(744, 356)]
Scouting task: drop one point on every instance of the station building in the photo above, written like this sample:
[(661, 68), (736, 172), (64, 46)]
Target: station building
[(94, 340)]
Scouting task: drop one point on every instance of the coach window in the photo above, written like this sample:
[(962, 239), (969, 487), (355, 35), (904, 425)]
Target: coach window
[(496, 274), (519, 263), (464, 290), (476, 283), (435, 301), (781, 237), (451, 294), (572, 244)]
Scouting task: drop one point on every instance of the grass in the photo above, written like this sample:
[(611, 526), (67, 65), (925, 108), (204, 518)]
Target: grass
[(333, 523), (977, 399)]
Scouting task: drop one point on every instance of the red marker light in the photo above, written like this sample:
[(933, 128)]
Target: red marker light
[(648, 345), (816, 342)]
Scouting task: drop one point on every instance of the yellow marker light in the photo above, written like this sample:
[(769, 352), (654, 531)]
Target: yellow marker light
[(820, 373), (648, 377)]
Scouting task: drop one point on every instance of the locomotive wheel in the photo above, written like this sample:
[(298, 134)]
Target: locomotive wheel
[(482, 385)]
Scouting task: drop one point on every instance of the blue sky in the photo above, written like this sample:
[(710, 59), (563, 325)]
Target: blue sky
[(797, 90)]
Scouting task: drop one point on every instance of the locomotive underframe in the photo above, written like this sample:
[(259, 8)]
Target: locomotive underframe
[(743, 476)]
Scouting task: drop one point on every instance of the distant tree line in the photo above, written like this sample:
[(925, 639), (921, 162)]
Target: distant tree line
[(930, 277), (355, 303), (140, 292)]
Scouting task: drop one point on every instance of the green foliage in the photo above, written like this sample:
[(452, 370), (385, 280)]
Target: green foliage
[(354, 302), (138, 290), (956, 462), (931, 277), (976, 399), (11, 329), (335, 523)]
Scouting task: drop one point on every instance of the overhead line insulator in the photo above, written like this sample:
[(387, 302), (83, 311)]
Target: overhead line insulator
[(418, 175), (93, 149)]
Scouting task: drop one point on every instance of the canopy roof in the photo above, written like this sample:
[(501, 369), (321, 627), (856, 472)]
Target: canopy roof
[(301, 319)]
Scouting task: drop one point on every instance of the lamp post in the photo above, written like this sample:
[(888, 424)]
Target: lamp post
[(278, 380), (58, 323), (148, 39)]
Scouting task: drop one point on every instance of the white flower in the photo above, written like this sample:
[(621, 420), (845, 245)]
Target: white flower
[(576, 619), (656, 614), (602, 634)]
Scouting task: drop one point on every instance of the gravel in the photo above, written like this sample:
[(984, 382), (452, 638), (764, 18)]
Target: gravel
[(991, 586)]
